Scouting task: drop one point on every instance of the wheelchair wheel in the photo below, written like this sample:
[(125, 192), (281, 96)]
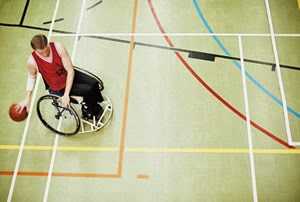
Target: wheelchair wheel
[(58, 119)]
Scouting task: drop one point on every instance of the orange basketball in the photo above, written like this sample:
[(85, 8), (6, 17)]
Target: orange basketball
[(15, 115)]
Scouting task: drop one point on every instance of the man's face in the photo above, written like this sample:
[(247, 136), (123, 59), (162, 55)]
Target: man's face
[(45, 52)]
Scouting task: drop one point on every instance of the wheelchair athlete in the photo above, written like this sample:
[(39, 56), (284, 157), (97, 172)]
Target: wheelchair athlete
[(53, 62)]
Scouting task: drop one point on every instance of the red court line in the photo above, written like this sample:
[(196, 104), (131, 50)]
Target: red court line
[(205, 85)]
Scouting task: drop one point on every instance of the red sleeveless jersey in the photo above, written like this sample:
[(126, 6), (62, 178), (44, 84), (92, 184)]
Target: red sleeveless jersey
[(52, 72)]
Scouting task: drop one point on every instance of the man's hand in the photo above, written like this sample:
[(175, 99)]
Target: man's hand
[(23, 104), (65, 101)]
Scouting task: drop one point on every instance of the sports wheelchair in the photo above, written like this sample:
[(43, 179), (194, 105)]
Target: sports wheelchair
[(66, 121)]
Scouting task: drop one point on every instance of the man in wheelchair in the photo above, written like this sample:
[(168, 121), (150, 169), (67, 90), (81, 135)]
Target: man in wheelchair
[(54, 64)]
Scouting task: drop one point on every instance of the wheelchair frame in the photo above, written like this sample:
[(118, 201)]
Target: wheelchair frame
[(66, 121)]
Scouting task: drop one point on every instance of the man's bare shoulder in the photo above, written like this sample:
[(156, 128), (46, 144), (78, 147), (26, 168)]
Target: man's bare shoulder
[(60, 48), (31, 62)]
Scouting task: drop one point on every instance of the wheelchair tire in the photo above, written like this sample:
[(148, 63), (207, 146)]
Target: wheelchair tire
[(58, 119)]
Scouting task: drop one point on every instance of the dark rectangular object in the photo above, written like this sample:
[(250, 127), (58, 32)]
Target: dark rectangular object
[(202, 56)]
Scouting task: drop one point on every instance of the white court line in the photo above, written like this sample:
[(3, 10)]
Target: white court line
[(295, 143), (78, 30), (180, 34), (251, 156), (25, 132), (285, 111), (57, 136), (46, 192), (52, 25)]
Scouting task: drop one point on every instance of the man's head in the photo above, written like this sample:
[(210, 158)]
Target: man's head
[(39, 43)]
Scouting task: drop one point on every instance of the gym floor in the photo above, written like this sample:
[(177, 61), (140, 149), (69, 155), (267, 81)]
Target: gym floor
[(205, 96)]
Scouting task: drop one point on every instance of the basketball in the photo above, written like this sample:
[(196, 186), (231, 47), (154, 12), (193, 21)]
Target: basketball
[(15, 115)]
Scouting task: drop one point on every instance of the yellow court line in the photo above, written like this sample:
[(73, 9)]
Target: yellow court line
[(60, 148), (87, 148), (214, 150), (277, 151), (187, 150), (154, 150)]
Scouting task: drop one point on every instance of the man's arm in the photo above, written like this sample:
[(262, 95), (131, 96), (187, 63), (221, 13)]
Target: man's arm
[(32, 72), (70, 72)]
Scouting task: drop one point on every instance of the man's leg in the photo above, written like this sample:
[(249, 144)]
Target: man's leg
[(94, 94), (88, 87), (90, 106)]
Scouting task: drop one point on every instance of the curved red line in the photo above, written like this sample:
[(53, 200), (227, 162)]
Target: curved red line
[(205, 85)]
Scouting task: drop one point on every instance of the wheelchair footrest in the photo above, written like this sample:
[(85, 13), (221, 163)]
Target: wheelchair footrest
[(94, 125)]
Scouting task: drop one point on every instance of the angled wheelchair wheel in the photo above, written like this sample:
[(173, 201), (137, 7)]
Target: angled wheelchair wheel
[(58, 119)]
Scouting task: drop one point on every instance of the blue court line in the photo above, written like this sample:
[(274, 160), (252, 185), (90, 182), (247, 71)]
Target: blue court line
[(238, 64)]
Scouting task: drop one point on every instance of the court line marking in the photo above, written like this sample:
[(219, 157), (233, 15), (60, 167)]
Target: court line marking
[(25, 132), (57, 20), (284, 105), (127, 89), (286, 108), (141, 150), (61, 174), (213, 150), (251, 156), (277, 65), (209, 89), (100, 36), (236, 64), (178, 34), (137, 150), (151, 150), (57, 136), (47, 187), (78, 30), (142, 176), (190, 51), (94, 5), (68, 33), (24, 12)]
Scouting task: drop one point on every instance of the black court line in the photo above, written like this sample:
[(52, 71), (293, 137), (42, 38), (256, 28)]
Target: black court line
[(24, 12), (94, 5), (192, 53), (57, 20), (35, 28), (210, 57)]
